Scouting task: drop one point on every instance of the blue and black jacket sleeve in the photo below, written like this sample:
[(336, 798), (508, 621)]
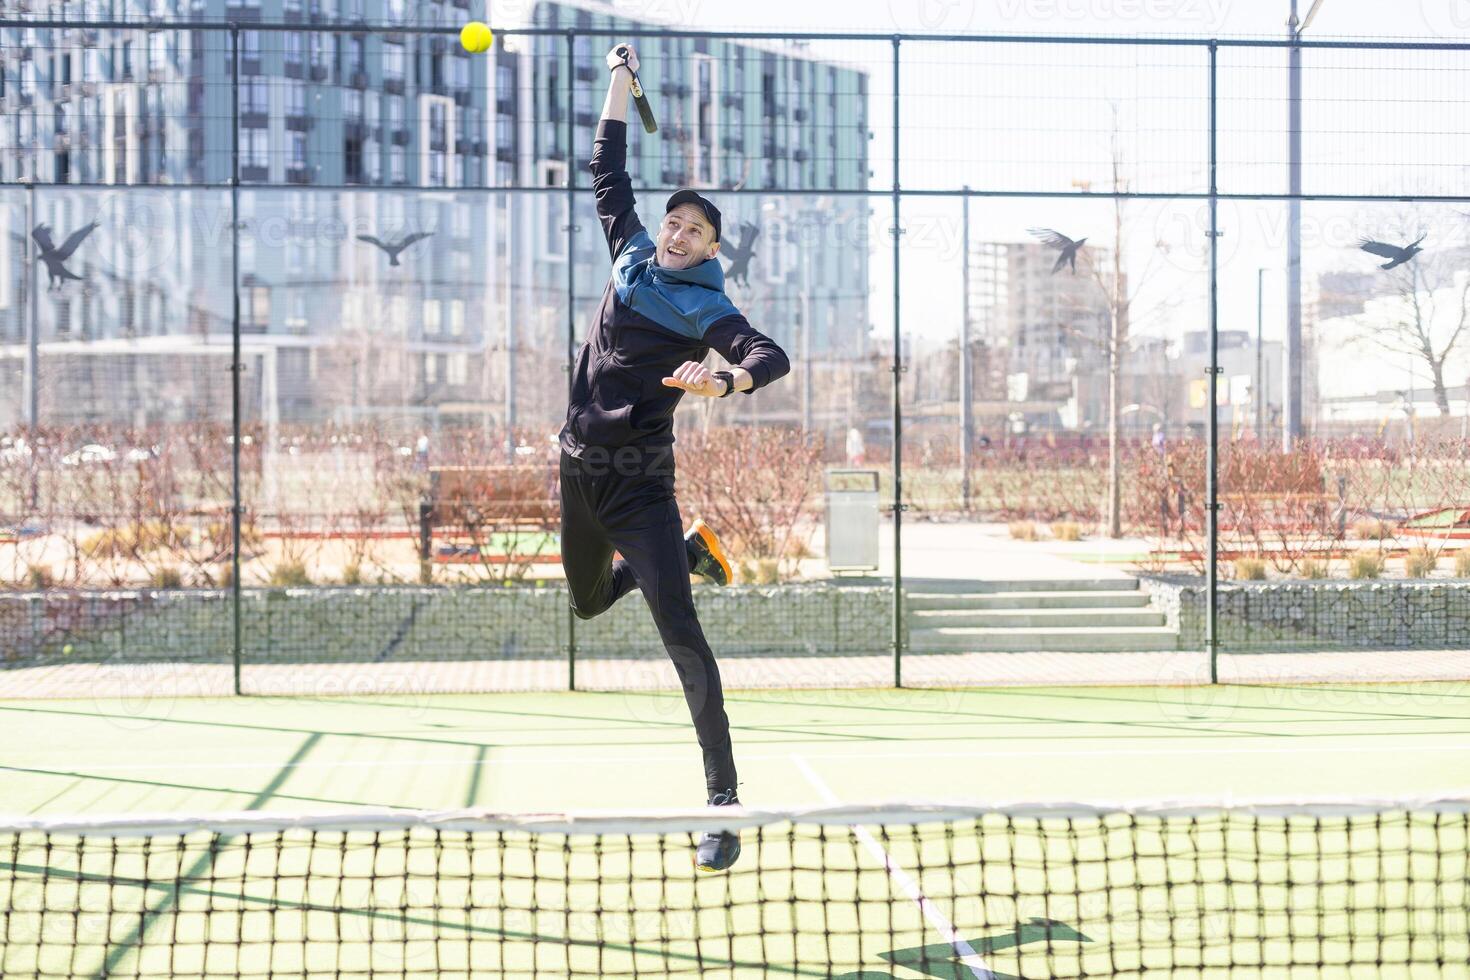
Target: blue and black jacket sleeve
[(612, 185), (734, 339)]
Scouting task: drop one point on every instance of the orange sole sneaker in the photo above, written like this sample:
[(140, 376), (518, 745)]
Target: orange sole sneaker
[(710, 557)]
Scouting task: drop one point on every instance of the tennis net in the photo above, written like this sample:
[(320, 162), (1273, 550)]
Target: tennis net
[(1325, 888)]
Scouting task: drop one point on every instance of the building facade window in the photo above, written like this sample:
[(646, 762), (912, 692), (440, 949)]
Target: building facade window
[(706, 117), (295, 48), (395, 62), (372, 158), (255, 147), (250, 46), (457, 371), (295, 97)]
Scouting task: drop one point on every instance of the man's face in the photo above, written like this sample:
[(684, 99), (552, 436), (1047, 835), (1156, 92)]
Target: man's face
[(685, 239)]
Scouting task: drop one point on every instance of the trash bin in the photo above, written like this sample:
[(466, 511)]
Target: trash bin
[(852, 520)]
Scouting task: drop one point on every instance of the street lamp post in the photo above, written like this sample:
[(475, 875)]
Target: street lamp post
[(806, 333), (1259, 392), (1291, 429), (967, 418)]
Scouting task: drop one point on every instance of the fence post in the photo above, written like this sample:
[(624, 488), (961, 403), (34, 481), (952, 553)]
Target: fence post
[(33, 347), (236, 365), (1212, 513), (898, 369), (571, 230)]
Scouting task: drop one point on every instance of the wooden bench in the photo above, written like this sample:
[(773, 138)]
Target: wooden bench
[(465, 502)]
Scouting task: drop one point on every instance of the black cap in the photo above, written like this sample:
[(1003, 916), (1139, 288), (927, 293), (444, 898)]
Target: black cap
[(687, 196)]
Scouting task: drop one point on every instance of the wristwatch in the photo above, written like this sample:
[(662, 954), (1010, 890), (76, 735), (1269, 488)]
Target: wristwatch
[(729, 380)]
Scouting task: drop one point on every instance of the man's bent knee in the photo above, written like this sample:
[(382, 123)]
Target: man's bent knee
[(588, 608)]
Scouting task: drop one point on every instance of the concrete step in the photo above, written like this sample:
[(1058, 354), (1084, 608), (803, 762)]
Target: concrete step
[(1028, 600), (973, 585), (1042, 619), (1091, 639)]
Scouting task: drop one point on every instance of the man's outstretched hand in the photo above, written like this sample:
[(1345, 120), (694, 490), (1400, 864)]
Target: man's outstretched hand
[(696, 379), (622, 54)]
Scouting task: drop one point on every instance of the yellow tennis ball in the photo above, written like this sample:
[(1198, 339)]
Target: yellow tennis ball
[(476, 37), (67, 650)]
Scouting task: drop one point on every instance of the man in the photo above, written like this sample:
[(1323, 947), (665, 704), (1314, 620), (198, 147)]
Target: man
[(662, 312)]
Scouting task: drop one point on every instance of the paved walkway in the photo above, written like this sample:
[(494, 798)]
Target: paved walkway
[(149, 683), (987, 551)]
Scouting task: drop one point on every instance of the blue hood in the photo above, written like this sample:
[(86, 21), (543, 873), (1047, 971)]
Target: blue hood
[(685, 301)]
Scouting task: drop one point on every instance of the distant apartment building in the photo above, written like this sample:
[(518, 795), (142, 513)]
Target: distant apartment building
[(1048, 328)]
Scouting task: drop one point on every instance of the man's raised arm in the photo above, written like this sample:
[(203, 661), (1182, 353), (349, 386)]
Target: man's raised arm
[(610, 181)]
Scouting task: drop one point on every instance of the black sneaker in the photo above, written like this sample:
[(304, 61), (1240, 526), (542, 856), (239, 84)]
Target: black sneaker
[(706, 557), (716, 851)]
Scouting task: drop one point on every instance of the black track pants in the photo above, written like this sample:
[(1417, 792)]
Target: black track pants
[(631, 510)]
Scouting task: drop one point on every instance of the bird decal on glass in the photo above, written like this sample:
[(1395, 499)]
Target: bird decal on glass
[(1066, 247), (394, 250), (1396, 254), (55, 258), (740, 253)]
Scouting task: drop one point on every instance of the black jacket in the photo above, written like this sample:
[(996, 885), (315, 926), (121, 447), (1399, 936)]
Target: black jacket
[(650, 321)]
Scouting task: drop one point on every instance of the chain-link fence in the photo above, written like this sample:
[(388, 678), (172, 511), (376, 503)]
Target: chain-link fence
[(1156, 345)]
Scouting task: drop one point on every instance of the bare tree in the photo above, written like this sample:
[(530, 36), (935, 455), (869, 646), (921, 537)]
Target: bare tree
[(1428, 321), (1119, 291)]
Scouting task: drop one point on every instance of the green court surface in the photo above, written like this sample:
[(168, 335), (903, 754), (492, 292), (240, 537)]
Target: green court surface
[(987, 895)]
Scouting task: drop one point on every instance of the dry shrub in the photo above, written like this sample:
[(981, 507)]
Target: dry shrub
[(1372, 529), (132, 540), (289, 574), (167, 577), (1066, 530), (1420, 562), (760, 571), (1365, 565), (1462, 563), (1312, 568), (1250, 569), (1023, 530)]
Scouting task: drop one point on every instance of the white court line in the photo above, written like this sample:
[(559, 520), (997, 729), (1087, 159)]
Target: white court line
[(537, 760), (936, 918)]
